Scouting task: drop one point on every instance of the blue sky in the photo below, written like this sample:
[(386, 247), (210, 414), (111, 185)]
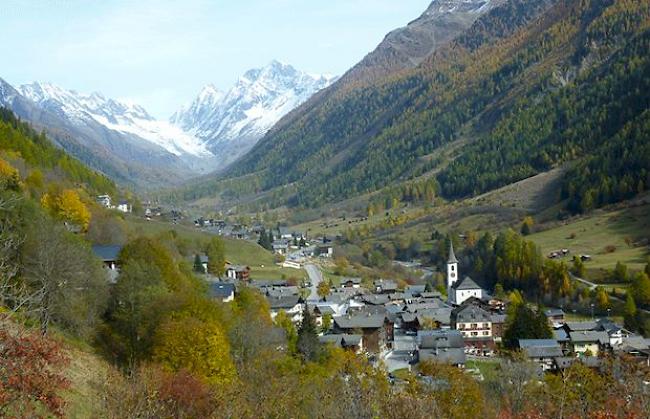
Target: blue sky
[(160, 53)]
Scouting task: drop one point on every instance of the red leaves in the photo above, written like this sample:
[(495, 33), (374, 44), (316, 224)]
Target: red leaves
[(30, 377)]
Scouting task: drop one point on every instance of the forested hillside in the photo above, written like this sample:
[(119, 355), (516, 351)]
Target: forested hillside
[(531, 85)]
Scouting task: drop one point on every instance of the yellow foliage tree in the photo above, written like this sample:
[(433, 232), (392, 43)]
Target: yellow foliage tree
[(67, 205), (200, 347), (9, 177)]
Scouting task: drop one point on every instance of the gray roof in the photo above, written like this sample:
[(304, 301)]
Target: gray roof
[(589, 336), (540, 348), (386, 284), (286, 301), (466, 284), (415, 289), (472, 313), (553, 312), (431, 294), (430, 339), (412, 308), (343, 340), (360, 321), (221, 289), (581, 326), (452, 256), (561, 335), (451, 356), (107, 253), (203, 258), (375, 299), (441, 315), (498, 318)]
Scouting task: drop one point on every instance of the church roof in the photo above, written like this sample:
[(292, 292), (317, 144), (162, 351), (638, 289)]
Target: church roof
[(466, 284), (452, 256)]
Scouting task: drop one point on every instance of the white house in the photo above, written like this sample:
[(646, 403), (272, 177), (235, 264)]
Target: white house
[(104, 201), (124, 206)]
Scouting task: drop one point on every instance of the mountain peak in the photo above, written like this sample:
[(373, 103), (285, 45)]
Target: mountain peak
[(231, 123)]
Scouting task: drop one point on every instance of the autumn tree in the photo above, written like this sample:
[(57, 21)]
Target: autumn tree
[(68, 206), (31, 375), (524, 323), (324, 289), (527, 225), (283, 321), (200, 347), (216, 257), (66, 281), (641, 288), (9, 177)]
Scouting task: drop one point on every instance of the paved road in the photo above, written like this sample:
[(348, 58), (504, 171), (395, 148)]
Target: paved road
[(315, 277)]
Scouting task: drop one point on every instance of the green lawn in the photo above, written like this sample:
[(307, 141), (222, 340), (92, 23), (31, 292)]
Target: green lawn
[(488, 368), (593, 234)]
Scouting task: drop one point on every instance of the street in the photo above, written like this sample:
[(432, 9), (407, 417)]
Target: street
[(315, 277)]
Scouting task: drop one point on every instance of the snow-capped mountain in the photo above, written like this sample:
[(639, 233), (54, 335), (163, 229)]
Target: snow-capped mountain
[(120, 116), (231, 123)]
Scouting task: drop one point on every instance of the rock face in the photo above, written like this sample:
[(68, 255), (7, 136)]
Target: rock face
[(229, 124), (407, 47)]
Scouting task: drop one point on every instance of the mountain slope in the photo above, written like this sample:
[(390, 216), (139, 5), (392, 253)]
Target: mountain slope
[(117, 139), (518, 62), (229, 124)]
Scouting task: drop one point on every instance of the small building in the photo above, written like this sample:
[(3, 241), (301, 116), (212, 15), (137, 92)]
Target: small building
[(541, 351), (223, 291), (290, 304), (280, 247), (441, 346), (352, 343), (238, 272), (588, 342), (124, 206), (351, 282), (109, 256), (376, 328), (555, 316), (385, 286), (104, 201)]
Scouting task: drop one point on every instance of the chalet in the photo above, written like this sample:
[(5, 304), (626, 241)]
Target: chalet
[(109, 255), (280, 247), (588, 342), (324, 250), (377, 329), (441, 346), (290, 304), (223, 291), (541, 351), (351, 282), (635, 347), (353, 343), (238, 272), (615, 332), (415, 290), (555, 316), (124, 206), (385, 286), (104, 201), (475, 324)]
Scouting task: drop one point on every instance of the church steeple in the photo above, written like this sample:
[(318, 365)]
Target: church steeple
[(452, 256), (452, 274)]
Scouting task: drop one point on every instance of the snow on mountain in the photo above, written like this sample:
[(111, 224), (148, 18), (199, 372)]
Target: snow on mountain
[(126, 118), (231, 123)]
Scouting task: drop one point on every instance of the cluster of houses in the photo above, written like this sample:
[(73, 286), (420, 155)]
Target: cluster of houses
[(583, 341), (106, 202)]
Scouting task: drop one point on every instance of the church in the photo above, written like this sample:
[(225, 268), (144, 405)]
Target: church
[(459, 290)]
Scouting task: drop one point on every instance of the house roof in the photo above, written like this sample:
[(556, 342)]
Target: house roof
[(540, 343), (588, 336), (553, 312), (452, 256), (361, 321), (472, 313), (375, 299), (203, 259), (498, 318), (415, 289), (540, 348), (430, 339), (221, 289), (343, 340), (581, 326), (466, 284), (561, 335), (285, 301), (451, 356), (386, 284), (107, 253), (441, 315), (352, 280)]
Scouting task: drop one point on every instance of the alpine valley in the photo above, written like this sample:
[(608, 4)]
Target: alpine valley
[(127, 144)]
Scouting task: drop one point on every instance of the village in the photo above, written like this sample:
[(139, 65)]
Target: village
[(399, 327)]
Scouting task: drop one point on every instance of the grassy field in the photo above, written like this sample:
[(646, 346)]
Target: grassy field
[(489, 368), (238, 252), (608, 237)]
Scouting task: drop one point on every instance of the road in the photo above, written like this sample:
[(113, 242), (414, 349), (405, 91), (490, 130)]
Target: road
[(315, 277)]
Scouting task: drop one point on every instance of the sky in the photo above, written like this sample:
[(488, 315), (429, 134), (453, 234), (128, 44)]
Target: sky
[(160, 53)]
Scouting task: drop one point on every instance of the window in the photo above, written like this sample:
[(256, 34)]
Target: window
[(473, 326), (486, 326), (474, 333), (486, 333), (452, 268)]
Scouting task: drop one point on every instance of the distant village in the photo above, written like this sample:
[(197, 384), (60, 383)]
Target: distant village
[(401, 327)]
